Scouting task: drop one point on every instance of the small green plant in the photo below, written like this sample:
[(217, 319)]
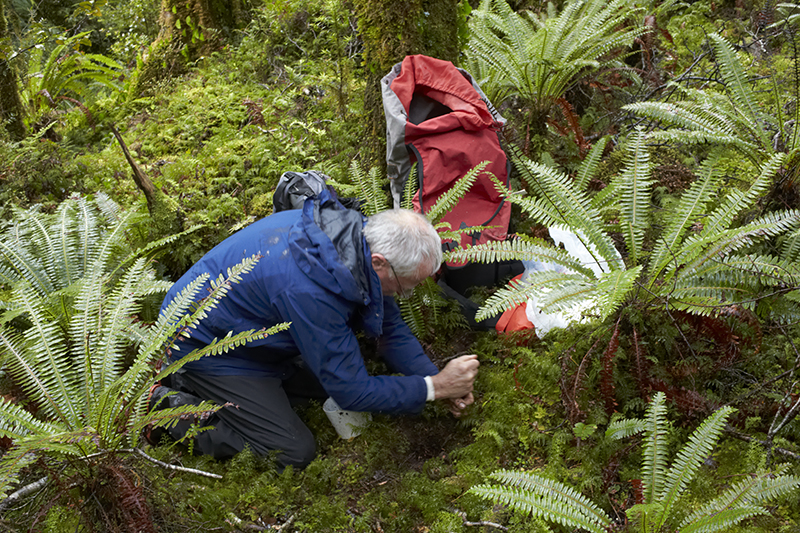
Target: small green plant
[(732, 118), (64, 75), (514, 53), (663, 486), (73, 294), (703, 260)]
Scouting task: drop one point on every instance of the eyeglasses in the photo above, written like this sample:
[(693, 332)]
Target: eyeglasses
[(403, 293)]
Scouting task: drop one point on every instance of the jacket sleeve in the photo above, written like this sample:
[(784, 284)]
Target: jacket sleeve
[(330, 349), (399, 347)]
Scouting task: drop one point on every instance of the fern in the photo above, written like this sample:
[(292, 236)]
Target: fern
[(655, 450), (370, 189), (620, 429), (537, 60), (73, 367), (663, 487), (689, 460), (454, 194), (545, 498)]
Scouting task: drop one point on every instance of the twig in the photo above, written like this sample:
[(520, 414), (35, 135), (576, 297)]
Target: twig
[(24, 491), (747, 438), (175, 467), (286, 524), (482, 523)]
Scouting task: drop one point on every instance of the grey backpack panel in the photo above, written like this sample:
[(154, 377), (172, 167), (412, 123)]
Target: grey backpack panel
[(294, 187)]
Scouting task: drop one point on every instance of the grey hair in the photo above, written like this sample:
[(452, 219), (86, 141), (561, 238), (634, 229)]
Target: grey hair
[(406, 239)]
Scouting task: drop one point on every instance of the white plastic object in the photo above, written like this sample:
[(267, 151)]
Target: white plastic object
[(348, 424)]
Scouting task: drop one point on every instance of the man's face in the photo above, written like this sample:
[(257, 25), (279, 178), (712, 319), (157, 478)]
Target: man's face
[(391, 284)]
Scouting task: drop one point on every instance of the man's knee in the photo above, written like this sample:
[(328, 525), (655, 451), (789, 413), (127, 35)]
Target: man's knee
[(300, 453)]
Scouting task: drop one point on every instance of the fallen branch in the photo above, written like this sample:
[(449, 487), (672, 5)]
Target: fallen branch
[(482, 523), (175, 467), (24, 491)]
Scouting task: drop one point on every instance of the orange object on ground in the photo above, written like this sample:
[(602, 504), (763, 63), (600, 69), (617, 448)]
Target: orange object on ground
[(515, 319)]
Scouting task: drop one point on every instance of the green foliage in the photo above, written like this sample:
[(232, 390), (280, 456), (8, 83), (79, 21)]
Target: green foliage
[(65, 74), (72, 289), (691, 269), (538, 58), (734, 119), (663, 485)]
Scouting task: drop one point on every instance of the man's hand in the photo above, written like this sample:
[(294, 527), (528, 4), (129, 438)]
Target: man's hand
[(455, 381), (457, 405)]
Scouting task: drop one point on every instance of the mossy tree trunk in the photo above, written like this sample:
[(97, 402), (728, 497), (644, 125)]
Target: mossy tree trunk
[(189, 30), (391, 30), (11, 109)]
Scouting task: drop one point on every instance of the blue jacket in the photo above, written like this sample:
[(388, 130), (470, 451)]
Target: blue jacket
[(315, 273)]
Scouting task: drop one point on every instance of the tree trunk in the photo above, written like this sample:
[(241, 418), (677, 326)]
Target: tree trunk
[(189, 30), (391, 30), (11, 110)]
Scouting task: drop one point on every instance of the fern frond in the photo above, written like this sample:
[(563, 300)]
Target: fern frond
[(635, 184), (410, 188), (790, 247), (567, 289), (684, 115), (528, 249), (699, 250), (590, 164), (722, 520), (654, 455), (16, 422), (692, 204), (445, 233), (40, 362), (19, 265), (370, 189), (689, 459), (11, 464), (737, 201), (627, 427), (454, 194), (738, 89), (410, 309), (545, 498), (554, 491), (745, 494)]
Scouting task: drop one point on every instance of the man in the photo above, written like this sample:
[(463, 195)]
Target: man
[(330, 274)]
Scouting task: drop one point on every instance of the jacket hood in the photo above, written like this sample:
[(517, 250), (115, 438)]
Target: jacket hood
[(328, 245)]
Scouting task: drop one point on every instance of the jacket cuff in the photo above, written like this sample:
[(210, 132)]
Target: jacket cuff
[(431, 390)]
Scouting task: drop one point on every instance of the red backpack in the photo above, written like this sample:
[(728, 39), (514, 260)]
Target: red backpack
[(437, 116)]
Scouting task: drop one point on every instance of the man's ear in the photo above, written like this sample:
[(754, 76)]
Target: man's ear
[(378, 261)]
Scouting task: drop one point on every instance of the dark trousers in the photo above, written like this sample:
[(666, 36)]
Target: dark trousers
[(262, 415)]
